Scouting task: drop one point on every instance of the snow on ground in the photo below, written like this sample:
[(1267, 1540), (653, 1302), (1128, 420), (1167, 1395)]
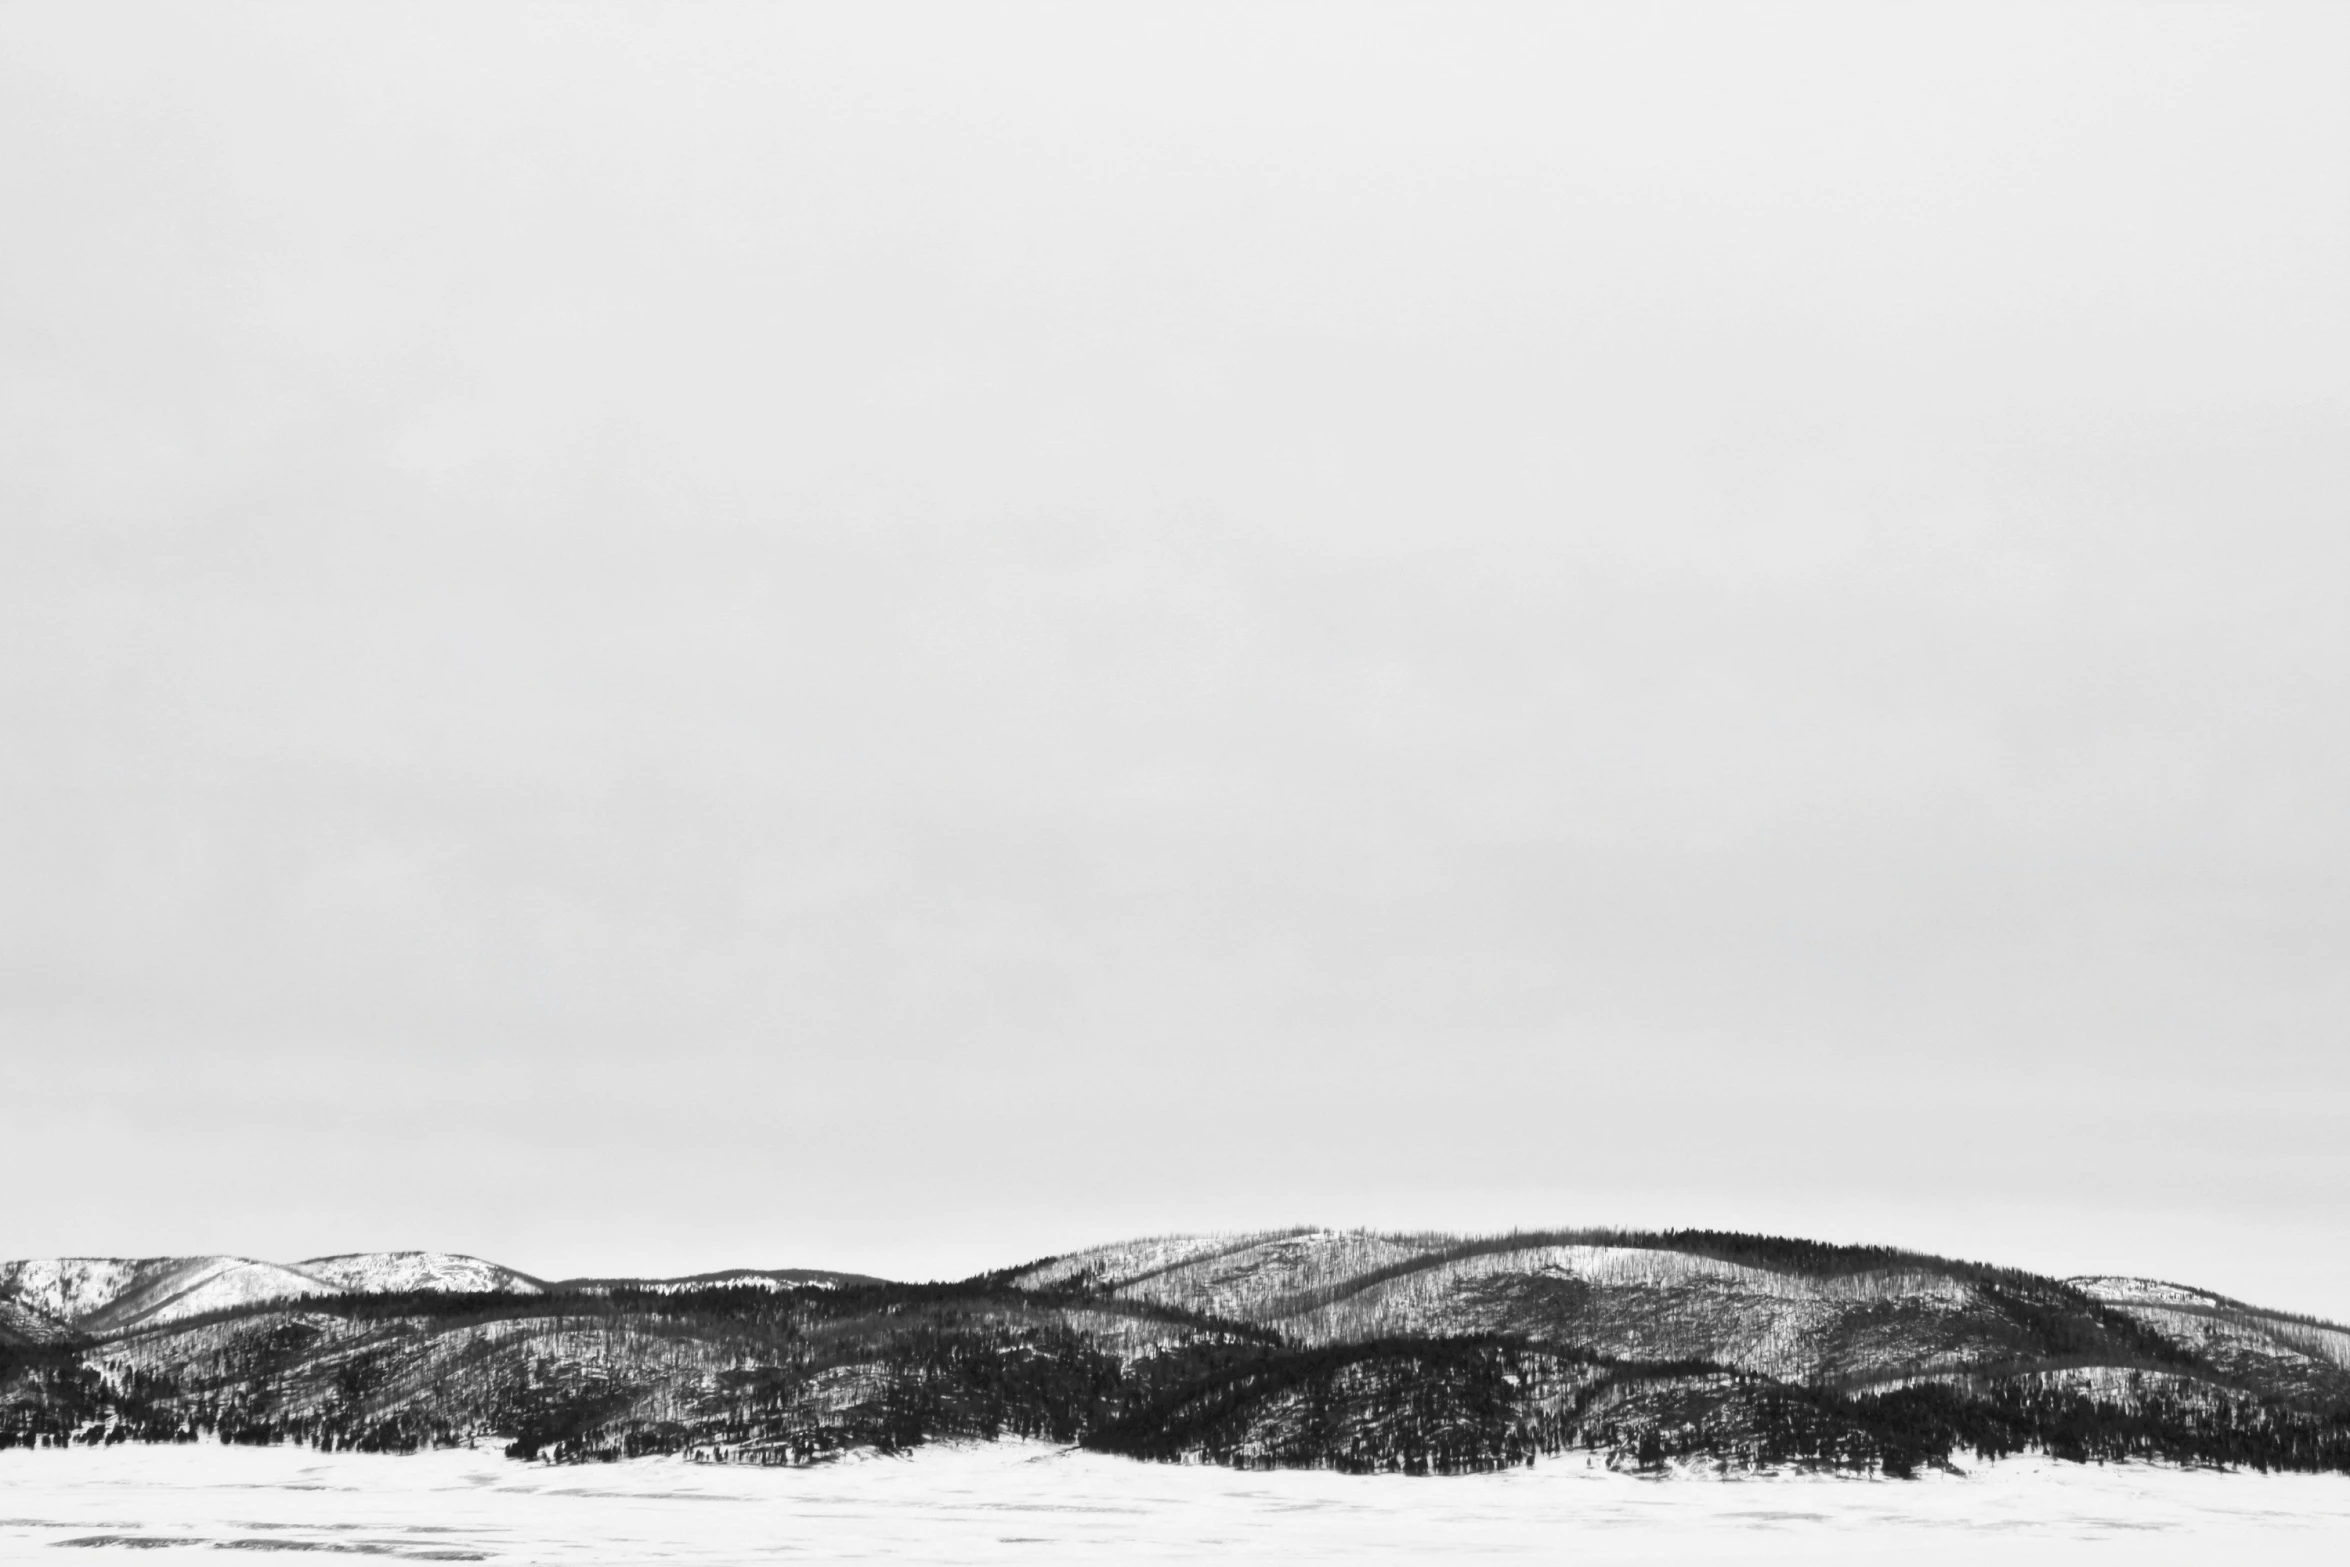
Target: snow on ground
[(1023, 1502), (2120, 1290), (111, 1292), (390, 1272), (202, 1284), (1124, 1261), (1247, 1281), (68, 1287)]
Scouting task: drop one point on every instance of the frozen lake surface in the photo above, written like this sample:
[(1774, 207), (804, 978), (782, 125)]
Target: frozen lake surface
[(1020, 1502)]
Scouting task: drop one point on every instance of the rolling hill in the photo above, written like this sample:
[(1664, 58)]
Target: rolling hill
[(65, 1296), (414, 1272), (1341, 1349), (107, 1294)]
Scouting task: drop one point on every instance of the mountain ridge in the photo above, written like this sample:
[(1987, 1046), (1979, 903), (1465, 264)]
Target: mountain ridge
[(1347, 1349), (104, 1294)]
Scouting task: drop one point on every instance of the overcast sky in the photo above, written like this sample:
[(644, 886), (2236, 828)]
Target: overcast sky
[(641, 638)]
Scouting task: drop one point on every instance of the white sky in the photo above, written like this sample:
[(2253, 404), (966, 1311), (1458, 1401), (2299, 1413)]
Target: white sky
[(643, 638)]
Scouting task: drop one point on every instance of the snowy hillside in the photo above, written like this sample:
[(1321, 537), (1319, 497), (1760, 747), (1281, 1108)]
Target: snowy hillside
[(2143, 1292), (401, 1272), (196, 1285), (23, 1324), (46, 1298), (1667, 1305), (1124, 1263), (67, 1289), (2300, 1356), (1273, 1276), (1853, 1318), (42, 1298), (1339, 1349), (99, 1294)]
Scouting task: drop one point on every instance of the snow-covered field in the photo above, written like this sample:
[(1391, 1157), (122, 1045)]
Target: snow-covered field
[(1014, 1502)]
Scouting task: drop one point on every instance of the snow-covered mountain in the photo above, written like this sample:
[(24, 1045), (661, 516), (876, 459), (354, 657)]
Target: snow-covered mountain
[(2300, 1356), (1850, 1317), (63, 1290), (99, 1294), (22, 1324), (402, 1272), (1339, 1348), (45, 1298)]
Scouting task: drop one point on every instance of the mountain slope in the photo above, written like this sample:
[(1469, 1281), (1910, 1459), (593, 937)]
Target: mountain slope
[(1794, 1311), (2293, 1357), (108, 1294), (1340, 1349), (64, 1290), (408, 1272), (23, 1324)]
